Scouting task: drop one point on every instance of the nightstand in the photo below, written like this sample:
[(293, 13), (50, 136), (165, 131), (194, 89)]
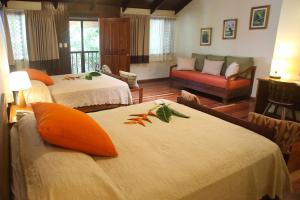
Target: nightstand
[(17, 112)]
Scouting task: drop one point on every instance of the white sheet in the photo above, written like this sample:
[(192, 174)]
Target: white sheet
[(188, 159), (80, 92)]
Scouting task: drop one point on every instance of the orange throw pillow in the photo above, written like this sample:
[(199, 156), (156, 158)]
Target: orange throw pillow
[(35, 74), (72, 129)]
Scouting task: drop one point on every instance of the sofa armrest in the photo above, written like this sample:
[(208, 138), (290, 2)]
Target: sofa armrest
[(250, 70), (172, 69), (246, 71), (116, 76)]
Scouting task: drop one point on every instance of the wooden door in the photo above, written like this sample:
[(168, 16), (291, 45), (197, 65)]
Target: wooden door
[(115, 43)]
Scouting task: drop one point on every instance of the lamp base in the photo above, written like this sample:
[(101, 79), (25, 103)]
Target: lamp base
[(19, 98), (275, 77)]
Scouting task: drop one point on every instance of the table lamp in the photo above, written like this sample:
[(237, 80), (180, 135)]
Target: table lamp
[(276, 68), (19, 81)]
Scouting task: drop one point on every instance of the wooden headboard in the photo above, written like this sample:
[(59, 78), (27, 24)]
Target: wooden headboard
[(4, 152)]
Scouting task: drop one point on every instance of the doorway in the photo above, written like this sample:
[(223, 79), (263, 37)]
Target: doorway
[(84, 44)]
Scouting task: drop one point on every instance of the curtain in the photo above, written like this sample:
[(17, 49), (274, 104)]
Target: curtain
[(162, 38), (8, 38), (17, 30), (42, 40), (61, 17), (139, 30), (4, 66)]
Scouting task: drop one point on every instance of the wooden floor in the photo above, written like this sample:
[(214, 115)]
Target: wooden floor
[(238, 108)]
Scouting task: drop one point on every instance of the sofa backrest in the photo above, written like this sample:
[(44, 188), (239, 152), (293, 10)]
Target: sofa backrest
[(199, 61), (244, 62)]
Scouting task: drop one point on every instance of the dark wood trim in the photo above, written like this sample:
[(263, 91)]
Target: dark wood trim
[(153, 80), (124, 5), (155, 5), (181, 5), (4, 2), (95, 108), (4, 152), (268, 133)]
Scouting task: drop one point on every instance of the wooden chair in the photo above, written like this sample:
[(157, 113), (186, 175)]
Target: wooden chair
[(285, 132), (140, 90), (281, 94)]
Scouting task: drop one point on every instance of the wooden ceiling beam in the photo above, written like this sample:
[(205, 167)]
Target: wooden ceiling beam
[(155, 5), (55, 3), (181, 5), (4, 2), (124, 5)]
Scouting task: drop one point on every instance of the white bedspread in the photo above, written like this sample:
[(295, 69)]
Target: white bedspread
[(80, 92), (188, 159)]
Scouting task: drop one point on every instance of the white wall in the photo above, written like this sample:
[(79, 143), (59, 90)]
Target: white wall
[(287, 47), (4, 67), (153, 70), (211, 13)]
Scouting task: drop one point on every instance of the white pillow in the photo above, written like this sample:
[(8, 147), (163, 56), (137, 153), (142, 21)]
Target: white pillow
[(186, 63), (106, 69), (131, 78), (39, 92), (232, 69), (212, 67)]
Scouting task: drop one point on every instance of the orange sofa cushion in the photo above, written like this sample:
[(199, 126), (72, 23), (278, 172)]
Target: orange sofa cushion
[(72, 129), (217, 81), (35, 74)]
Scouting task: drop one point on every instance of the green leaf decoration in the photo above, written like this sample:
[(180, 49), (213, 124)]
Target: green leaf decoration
[(164, 113), (178, 114), (95, 74), (88, 77)]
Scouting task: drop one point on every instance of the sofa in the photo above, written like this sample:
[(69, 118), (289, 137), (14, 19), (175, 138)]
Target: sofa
[(237, 85)]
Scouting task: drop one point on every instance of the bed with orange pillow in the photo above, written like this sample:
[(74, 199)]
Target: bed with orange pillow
[(202, 157), (87, 95)]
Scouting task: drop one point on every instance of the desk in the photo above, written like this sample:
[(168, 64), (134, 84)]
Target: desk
[(262, 94)]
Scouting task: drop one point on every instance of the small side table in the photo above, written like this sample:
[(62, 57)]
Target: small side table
[(14, 109), (140, 90)]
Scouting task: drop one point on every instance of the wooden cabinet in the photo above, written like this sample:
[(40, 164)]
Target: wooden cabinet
[(115, 43)]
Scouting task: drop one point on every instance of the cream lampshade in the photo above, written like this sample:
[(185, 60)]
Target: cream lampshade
[(18, 82)]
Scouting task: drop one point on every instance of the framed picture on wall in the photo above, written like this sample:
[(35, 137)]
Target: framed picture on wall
[(205, 36), (259, 17), (230, 28)]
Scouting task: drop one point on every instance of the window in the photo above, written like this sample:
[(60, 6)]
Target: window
[(17, 30), (84, 38), (161, 38)]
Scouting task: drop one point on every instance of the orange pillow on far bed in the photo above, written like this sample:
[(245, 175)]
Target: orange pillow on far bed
[(72, 129), (35, 74)]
